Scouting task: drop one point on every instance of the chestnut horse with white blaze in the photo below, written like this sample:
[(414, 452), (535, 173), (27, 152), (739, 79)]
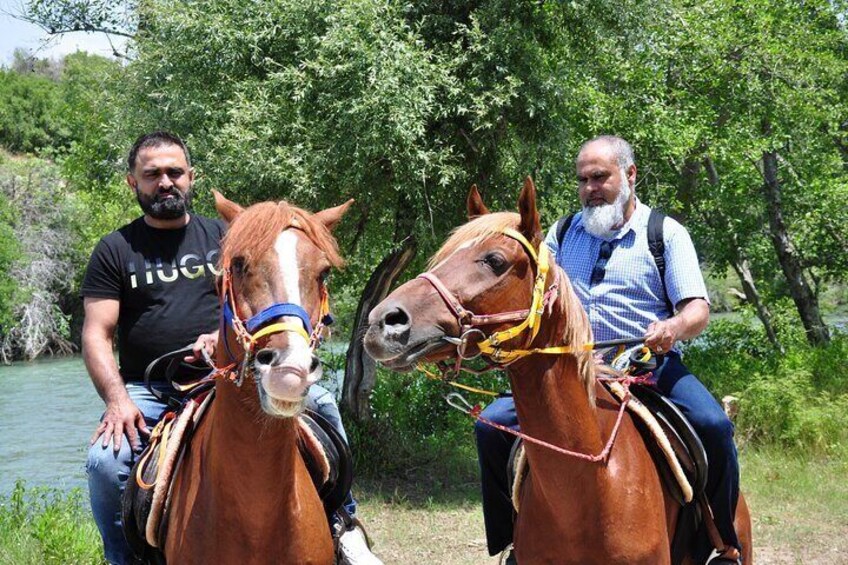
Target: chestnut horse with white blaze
[(573, 509), (243, 493)]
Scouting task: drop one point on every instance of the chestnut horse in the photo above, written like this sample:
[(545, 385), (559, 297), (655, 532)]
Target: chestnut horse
[(243, 493), (573, 510)]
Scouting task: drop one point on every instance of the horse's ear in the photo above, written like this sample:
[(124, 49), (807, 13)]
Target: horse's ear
[(474, 203), (530, 226), (227, 209), (332, 216)]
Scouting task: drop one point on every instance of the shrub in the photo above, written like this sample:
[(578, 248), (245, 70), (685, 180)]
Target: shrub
[(413, 428), (795, 401), (45, 230)]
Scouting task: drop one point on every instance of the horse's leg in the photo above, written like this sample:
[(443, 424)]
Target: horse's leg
[(742, 523)]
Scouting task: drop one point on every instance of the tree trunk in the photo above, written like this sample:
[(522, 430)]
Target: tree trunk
[(743, 270), (805, 299), (752, 295), (360, 369)]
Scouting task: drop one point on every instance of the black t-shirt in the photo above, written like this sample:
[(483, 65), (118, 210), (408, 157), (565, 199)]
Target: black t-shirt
[(165, 282)]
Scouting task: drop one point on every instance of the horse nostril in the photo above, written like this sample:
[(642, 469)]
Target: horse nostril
[(314, 365), (397, 318), (266, 356)]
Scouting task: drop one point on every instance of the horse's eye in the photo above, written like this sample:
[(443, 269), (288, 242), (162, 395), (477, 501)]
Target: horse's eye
[(496, 262), (238, 266)]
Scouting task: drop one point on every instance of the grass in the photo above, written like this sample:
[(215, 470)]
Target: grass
[(46, 526), (412, 525), (799, 508), (799, 505)]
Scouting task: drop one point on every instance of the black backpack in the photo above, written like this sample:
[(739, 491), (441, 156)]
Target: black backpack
[(655, 244)]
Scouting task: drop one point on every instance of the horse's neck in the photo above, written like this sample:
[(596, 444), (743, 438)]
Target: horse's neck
[(246, 483), (566, 500), (248, 440), (552, 400), (553, 404)]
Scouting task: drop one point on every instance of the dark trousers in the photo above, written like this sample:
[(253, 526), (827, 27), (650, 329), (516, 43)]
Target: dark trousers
[(675, 381)]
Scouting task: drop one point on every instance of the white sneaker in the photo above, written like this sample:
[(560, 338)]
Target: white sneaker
[(354, 550)]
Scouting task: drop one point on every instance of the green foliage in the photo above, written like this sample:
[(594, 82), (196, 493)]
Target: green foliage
[(400, 106), (9, 253), (41, 275), (412, 427), (47, 526), (798, 400), (118, 17), (30, 118)]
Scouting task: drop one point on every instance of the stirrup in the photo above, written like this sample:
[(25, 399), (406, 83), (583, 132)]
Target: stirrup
[(507, 556), (353, 546), (727, 556)]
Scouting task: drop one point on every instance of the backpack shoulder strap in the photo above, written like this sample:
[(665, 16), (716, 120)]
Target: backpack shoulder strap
[(562, 226), (657, 247)]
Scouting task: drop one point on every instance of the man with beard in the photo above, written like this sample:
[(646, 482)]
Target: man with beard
[(605, 251), (153, 281)]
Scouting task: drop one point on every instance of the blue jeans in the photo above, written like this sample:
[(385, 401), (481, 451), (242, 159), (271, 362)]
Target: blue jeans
[(108, 471), (322, 401), (675, 381)]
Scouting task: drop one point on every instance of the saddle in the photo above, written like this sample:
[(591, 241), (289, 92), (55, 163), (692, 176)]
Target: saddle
[(145, 510), (676, 450)]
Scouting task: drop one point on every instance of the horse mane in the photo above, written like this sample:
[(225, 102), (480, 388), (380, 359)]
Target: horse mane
[(475, 231), (254, 231), (576, 330)]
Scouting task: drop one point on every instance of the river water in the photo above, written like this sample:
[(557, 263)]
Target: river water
[(48, 411)]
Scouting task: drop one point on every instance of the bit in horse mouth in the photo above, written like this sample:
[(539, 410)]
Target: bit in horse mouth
[(407, 359), (287, 369)]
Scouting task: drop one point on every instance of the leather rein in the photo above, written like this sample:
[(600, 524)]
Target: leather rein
[(530, 319)]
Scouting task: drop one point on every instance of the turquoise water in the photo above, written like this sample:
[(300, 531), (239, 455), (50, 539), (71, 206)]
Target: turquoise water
[(48, 411)]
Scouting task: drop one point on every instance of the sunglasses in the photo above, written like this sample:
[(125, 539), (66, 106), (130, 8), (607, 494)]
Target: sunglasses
[(600, 268)]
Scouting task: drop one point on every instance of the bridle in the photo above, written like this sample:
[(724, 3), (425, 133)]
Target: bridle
[(491, 345), (530, 319), (250, 332)]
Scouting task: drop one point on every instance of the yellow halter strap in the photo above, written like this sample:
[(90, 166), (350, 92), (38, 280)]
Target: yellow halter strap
[(492, 346)]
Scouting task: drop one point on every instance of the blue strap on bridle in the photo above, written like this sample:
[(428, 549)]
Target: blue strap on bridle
[(277, 310), (274, 311), (268, 314)]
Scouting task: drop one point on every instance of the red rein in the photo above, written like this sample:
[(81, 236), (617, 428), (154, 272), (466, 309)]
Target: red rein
[(599, 458)]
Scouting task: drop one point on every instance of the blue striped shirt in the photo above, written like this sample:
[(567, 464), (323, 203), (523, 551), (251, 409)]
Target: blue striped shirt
[(630, 296)]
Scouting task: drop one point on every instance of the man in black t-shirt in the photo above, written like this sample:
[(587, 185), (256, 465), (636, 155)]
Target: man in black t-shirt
[(153, 281)]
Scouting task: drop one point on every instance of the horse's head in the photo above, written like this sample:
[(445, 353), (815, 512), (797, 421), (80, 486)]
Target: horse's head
[(275, 259), (485, 270)]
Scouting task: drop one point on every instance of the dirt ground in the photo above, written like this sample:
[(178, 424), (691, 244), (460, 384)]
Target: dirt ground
[(448, 528), (405, 535)]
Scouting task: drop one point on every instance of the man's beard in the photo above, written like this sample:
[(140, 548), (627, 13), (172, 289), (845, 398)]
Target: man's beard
[(604, 220), (161, 208)]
